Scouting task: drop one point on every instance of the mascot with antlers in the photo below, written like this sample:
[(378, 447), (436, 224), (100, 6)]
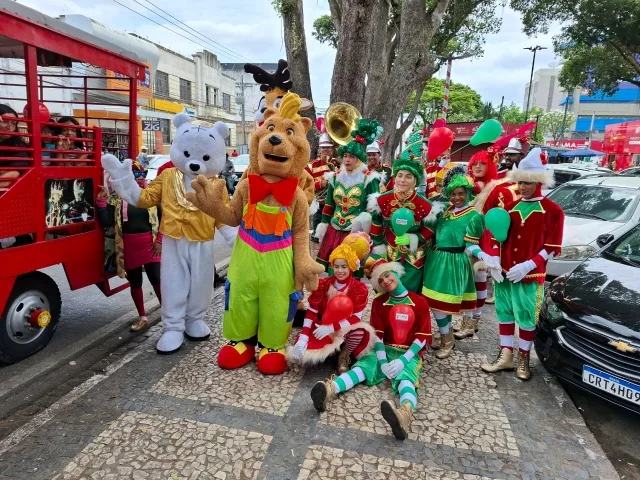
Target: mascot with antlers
[(271, 262)]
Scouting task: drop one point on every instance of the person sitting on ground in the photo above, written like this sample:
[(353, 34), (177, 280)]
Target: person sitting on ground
[(138, 244)]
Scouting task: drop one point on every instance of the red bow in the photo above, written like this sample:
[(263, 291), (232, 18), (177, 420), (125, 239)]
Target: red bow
[(283, 191)]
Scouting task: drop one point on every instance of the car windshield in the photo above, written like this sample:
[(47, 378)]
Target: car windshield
[(241, 160), (628, 248), (607, 203)]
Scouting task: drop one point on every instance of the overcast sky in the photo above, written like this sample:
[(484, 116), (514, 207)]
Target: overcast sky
[(252, 31)]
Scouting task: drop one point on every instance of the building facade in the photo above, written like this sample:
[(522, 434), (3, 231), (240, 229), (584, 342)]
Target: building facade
[(547, 92)]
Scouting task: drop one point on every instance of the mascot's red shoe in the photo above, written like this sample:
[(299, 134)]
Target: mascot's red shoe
[(235, 355), (272, 362)]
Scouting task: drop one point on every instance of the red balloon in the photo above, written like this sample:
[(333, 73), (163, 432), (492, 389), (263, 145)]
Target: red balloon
[(401, 318), (440, 141), (43, 112), (320, 124), (338, 308)]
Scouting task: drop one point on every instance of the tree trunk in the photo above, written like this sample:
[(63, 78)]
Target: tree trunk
[(352, 56), (296, 46)]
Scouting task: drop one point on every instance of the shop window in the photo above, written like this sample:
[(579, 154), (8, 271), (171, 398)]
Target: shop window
[(162, 84), (226, 102), (165, 127), (212, 95), (185, 91), (227, 141)]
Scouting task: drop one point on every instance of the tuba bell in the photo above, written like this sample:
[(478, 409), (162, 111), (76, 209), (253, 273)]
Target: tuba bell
[(340, 119)]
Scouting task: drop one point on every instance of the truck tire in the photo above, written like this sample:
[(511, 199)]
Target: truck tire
[(18, 339)]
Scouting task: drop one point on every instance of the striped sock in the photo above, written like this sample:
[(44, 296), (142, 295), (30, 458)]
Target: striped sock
[(526, 339), (443, 321), (353, 339), (408, 394), (349, 380), (506, 334), (480, 279)]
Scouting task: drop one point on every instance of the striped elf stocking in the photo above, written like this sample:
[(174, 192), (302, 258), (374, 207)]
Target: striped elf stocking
[(526, 339), (507, 331), (444, 322), (480, 279), (408, 394), (348, 380)]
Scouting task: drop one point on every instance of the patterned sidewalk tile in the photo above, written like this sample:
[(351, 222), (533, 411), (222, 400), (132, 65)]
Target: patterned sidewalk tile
[(458, 406), (326, 463), (198, 377), (140, 446)]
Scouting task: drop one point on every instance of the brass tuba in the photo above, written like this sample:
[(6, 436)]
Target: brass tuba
[(340, 119)]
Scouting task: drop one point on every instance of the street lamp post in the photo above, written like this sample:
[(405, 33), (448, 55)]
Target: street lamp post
[(533, 64)]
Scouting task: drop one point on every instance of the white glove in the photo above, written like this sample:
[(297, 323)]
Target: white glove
[(519, 271), (323, 331), (489, 261), (300, 347), (117, 171), (392, 369), (496, 274)]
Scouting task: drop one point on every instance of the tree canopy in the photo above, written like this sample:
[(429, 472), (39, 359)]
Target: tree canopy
[(600, 39), (553, 124), (464, 103)]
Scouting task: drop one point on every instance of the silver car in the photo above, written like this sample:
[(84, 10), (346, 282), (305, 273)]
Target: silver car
[(567, 172), (597, 211)]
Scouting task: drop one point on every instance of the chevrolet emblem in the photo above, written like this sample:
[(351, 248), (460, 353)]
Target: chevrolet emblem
[(622, 346)]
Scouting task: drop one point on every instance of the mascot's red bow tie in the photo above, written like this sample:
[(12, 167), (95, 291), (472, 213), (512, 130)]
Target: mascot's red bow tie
[(283, 191)]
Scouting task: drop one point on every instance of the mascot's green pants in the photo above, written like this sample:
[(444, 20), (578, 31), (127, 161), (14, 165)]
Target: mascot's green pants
[(260, 296)]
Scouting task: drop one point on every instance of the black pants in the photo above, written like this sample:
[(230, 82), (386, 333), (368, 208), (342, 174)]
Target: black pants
[(153, 274), (317, 218)]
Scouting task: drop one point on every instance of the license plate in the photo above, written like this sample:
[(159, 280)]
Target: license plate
[(610, 384)]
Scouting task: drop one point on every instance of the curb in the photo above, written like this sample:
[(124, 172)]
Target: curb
[(48, 365)]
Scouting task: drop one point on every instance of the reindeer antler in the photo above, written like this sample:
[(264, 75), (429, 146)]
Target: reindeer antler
[(268, 81)]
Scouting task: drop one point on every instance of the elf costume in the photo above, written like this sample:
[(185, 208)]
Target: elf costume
[(411, 257), (348, 194), (403, 326), (448, 281), (535, 235), (320, 337)]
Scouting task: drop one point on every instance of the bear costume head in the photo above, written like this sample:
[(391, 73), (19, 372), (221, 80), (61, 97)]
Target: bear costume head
[(198, 150), (280, 147)]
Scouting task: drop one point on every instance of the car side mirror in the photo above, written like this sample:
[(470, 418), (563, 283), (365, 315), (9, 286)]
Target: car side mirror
[(605, 239)]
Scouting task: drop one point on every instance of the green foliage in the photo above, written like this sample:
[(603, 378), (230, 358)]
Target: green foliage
[(464, 102), (600, 39), (282, 7), (553, 123), (324, 31)]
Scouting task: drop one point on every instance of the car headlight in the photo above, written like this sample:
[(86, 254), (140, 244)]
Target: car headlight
[(551, 312), (576, 252)]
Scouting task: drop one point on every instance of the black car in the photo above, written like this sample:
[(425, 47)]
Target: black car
[(589, 327)]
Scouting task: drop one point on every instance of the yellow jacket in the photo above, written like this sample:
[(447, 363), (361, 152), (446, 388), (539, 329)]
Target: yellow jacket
[(179, 217)]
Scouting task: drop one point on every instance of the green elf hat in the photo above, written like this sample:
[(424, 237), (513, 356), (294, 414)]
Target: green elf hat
[(455, 178), (365, 134), (411, 157)]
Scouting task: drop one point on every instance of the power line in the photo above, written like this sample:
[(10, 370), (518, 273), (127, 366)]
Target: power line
[(160, 25), (201, 35)]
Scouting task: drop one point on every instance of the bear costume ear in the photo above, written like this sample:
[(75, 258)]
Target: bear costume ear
[(180, 119), (269, 112), (221, 128), (306, 122)]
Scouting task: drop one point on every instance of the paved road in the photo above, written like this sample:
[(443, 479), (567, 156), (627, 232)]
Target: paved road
[(84, 311), (616, 429)]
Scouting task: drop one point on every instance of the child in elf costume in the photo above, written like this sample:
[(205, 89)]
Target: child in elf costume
[(321, 337), (403, 326), (534, 236), (449, 281)]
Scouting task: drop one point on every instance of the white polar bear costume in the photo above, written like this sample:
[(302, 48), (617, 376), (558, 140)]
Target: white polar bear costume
[(187, 262)]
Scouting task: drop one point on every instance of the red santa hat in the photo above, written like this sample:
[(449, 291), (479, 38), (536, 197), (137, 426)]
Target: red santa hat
[(533, 168), (381, 266)]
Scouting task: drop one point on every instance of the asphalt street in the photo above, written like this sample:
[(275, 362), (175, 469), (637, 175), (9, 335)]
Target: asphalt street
[(85, 311)]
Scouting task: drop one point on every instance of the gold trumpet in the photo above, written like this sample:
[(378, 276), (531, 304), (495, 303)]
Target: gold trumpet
[(340, 119)]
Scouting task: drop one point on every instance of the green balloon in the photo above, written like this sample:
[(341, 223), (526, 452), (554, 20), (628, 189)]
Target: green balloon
[(401, 221), (497, 221), (487, 132)]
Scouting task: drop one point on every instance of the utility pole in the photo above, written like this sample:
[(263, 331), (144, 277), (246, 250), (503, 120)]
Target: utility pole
[(447, 87), (240, 100), (501, 107), (593, 120), (564, 119), (533, 64)]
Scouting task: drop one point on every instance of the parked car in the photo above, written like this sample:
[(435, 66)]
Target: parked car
[(630, 171), (589, 327), (597, 211), (155, 162), (240, 164), (566, 172)]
